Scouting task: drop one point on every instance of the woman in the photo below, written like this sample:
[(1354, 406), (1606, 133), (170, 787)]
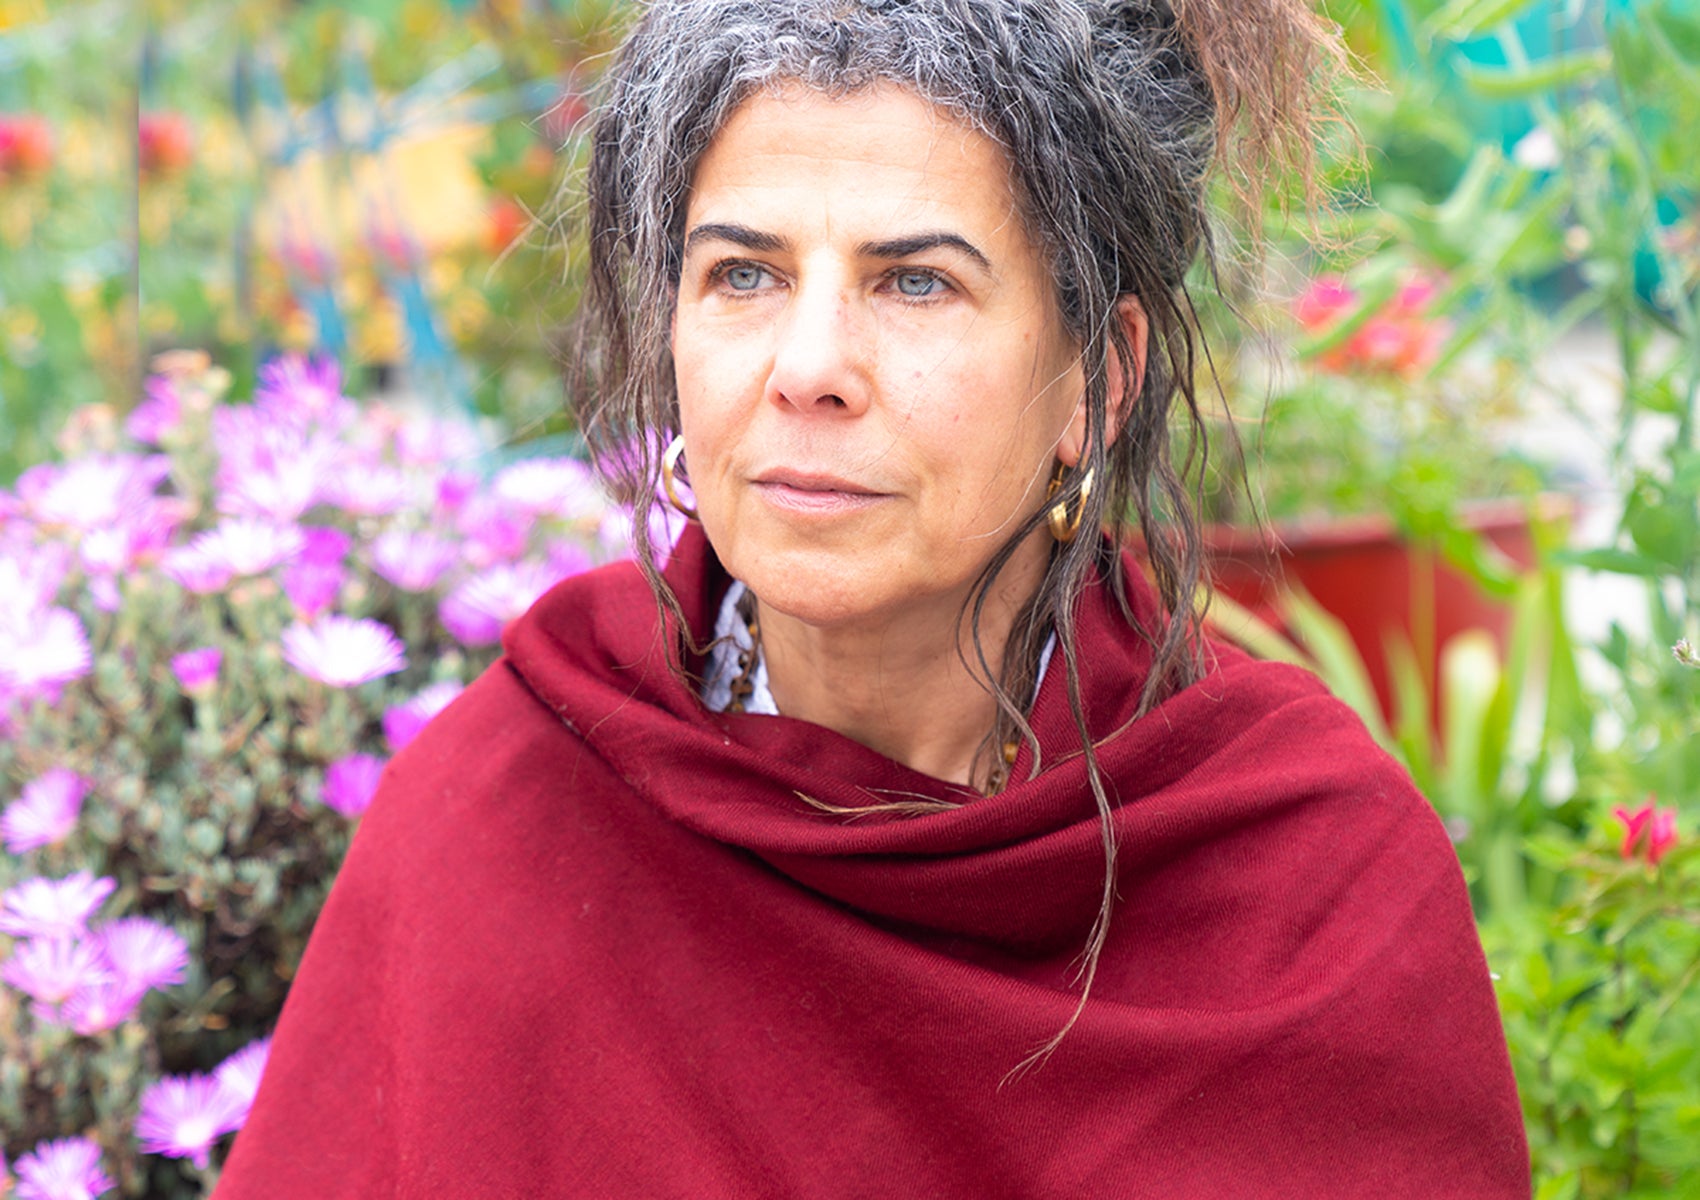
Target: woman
[(912, 844)]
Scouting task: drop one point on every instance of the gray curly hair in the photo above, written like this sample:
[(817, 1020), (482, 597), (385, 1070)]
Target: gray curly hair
[(1111, 113)]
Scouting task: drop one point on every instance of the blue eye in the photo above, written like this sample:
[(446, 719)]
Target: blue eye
[(743, 279), (917, 283)]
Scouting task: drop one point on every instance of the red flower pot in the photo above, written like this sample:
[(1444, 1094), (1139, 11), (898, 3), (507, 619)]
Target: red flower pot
[(1360, 570)]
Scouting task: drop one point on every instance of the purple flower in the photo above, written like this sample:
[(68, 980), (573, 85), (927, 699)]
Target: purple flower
[(476, 611), (51, 908), (403, 722), (454, 490), (42, 651), (342, 651), (432, 441), (143, 954), (493, 533), (91, 493), (197, 670), (567, 559), (49, 969), (617, 531), (249, 545), (153, 419), (312, 587), (98, 1007), (351, 782), (181, 1116), (560, 487), (413, 562), (30, 577), (66, 1169), (46, 812), (268, 470), (325, 546), (197, 571), (370, 491), (239, 1075), (293, 386)]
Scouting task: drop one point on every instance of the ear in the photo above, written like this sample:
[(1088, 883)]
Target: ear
[(1123, 383)]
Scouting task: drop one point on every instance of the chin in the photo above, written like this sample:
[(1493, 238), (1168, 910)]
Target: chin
[(816, 585)]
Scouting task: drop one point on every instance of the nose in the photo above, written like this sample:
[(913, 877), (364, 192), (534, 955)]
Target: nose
[(820, 361)]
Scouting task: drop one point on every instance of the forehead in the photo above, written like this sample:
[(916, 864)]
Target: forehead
[(881, 157)]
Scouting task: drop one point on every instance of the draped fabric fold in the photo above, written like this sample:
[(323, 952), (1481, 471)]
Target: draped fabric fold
[(590, 941)]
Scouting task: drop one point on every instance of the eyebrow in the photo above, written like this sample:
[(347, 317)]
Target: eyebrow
[(889, 248)]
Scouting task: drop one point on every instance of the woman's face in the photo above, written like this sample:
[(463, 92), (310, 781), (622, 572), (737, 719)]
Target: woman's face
[(873, 382)]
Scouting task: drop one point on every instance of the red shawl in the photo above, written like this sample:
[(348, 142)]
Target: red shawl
[(589, 942)]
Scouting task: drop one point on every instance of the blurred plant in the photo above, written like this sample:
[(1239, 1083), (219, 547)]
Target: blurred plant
[(216, 621), (1587, 890)]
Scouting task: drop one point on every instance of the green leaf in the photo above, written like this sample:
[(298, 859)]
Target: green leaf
[(1621, 562), (1337, 659), (1549, 75), (1461, 20), (1470, 676)]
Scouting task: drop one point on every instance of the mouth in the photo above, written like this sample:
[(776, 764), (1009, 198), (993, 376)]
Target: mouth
[(812, 492)]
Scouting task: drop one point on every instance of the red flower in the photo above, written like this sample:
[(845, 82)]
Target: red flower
[(26, 145), (1658, 824), (165, 143), (1399, 338)]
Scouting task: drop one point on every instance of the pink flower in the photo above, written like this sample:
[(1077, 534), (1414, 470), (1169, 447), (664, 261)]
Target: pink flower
[(350, 783), (239, 1075), (616, 534), (494, 534), (295, 387), (266, 470), (30, 577), (154, 419), (42, 651), (49, 969), (454, 490), (567, 559), (312, 587), (51, 908), (66, 1169), (559, 487), (197, 571), (324, 545), (181, 1116), (1400, 337), (249, 545), (197, 670), (96, 1008), (413, 562), (477, 611), (369, 491), (1649, 825), (1327, 299), (143, 954), (342, 651), (91, 493), (437, 441), (403, 722), (46, 812), (1661, 835)]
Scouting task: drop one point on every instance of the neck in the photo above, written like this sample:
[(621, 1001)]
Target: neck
[(897, 682)]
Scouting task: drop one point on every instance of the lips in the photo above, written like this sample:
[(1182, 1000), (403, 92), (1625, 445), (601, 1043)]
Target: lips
[(810, 492)]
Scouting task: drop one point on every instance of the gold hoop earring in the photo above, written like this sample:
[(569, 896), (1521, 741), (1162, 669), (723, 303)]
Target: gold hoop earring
[(1063, 527), (669, 467)]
